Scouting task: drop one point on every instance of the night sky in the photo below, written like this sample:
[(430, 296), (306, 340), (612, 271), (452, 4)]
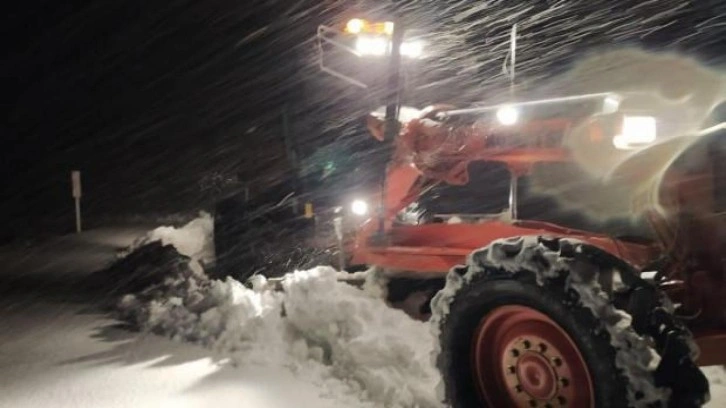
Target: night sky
[(151, 98)]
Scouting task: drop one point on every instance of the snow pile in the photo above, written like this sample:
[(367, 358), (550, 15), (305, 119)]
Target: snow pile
[(381, 348), (343, 340), (193, 239)]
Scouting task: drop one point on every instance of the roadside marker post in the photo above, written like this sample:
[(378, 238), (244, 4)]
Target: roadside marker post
[(76, 191)]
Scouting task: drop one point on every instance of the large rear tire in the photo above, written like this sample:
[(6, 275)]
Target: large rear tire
[(533, 322)]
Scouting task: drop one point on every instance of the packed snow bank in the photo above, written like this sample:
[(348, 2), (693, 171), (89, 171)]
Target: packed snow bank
[(343, 340)]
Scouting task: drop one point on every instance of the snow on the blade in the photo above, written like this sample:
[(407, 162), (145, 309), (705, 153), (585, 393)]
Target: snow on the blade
[(343, 340), (383, 349)]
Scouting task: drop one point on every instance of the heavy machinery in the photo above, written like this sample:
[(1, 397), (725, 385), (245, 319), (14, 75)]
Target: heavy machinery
[(553, 310), (612, 304), (545, 306)]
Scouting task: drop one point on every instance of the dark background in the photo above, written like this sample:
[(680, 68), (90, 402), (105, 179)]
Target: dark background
[(157, 102)]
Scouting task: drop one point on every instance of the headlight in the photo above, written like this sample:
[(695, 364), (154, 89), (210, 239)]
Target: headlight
[(636, 131), (355, 26), (367, 45), (359, 207), (378, 46), (507, 115), (412, 49)]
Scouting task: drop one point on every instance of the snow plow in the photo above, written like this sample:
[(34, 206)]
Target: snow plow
[(546, 307), (572, 248)]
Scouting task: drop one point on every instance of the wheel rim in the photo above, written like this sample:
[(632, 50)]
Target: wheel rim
[(522, 357)]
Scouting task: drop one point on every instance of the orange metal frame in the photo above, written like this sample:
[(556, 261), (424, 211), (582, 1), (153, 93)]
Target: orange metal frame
[(439, 247), (426, 152)]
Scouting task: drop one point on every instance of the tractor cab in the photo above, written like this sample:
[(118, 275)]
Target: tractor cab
[(461, 178)]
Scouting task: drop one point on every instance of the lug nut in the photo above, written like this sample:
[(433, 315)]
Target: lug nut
[(542, 347), (511, 369), (565, 382), (562, 400), (527, 344), (518, 388), (515, 353), (557, 361), (532, 403)]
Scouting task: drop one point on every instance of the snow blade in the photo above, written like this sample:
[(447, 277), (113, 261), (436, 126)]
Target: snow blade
[(145, 267)]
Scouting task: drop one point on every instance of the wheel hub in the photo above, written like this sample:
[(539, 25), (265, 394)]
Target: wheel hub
[(531, 373), (523, 357)]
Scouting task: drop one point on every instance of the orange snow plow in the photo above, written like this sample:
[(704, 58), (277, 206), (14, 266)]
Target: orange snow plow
[(545, 305)]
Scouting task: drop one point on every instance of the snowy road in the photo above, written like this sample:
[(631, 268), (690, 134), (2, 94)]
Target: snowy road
[(58, 350), (61, 355)]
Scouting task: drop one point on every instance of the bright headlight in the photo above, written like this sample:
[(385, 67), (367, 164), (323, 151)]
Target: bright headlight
[(355, 26), (359, 207), (412, 49), (378, 46), (367, 45), (507, 115), (636, 131)]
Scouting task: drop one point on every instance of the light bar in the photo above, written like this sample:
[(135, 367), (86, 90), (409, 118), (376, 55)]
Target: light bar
[(560, 99), (360, 26)]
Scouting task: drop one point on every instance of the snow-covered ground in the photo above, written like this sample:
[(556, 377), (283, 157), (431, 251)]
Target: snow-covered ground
[(338, 339), (56, 355), (342, 341), (59, 350), (320, 343)]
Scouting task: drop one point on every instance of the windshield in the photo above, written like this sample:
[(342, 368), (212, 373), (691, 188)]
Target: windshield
[(558, 193), (487, 192)]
